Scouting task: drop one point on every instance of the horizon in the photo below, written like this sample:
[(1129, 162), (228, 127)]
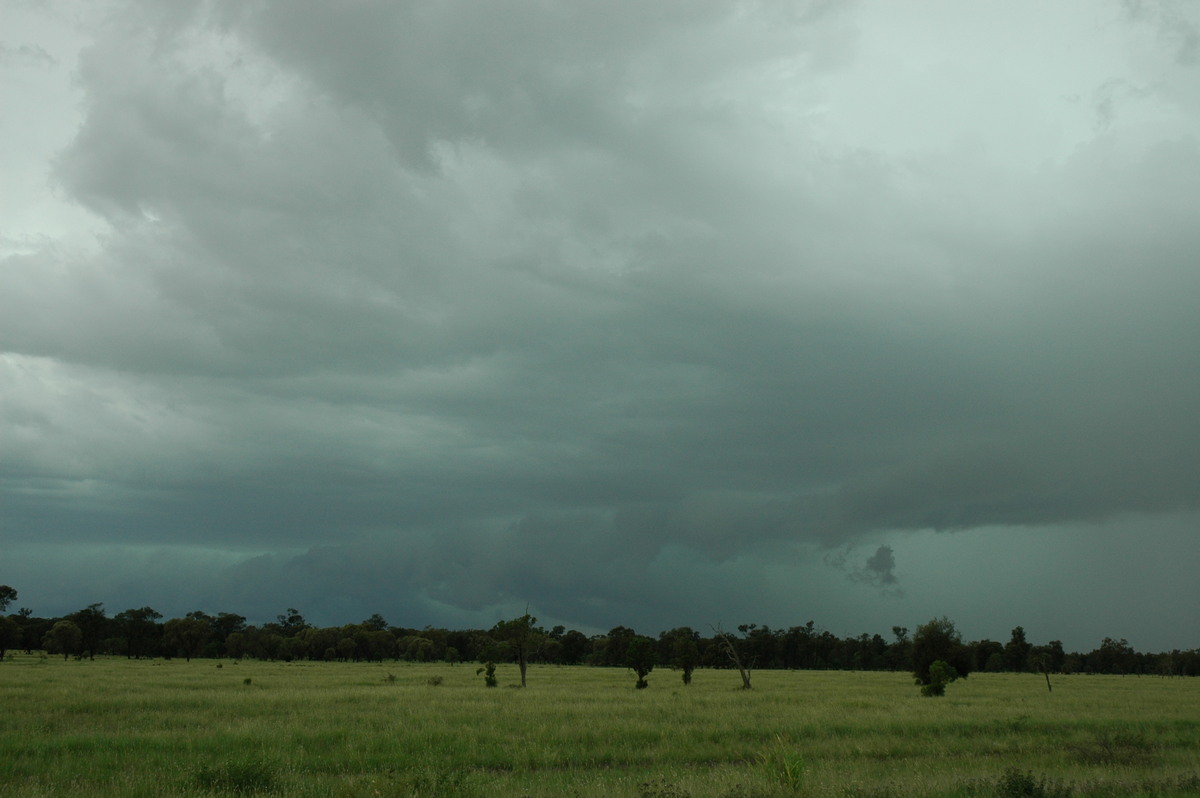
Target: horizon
[(592, 632)]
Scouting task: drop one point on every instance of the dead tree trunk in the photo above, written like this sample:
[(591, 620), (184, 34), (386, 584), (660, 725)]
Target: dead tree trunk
[(734, 657)]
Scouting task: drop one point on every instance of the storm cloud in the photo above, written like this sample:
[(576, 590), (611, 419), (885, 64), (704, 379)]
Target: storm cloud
[(633, 314)]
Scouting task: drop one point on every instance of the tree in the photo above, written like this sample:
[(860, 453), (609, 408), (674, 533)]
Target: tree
[(523, 635), (1048, 657), (376, 623), (290, 623), (899, 652), (7, 596), (611, 647), (987, 655), (93, 625), (575, 647), (65, 638), (33, 630), (320, 643), (1016, 651), (185, 636), (10, 635), (759, 644), (224, 625), (684, 651), (381, 644), (139, 627), (235, 645), (640, 657), (796, 646), (1113, 656), (725, 640), (414, 648), (939, 641), (1041, 662)]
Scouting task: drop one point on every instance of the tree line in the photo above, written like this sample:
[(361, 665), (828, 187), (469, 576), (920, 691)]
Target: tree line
[(144, 633)]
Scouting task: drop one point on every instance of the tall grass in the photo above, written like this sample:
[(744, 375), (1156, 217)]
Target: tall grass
[(134, 728)]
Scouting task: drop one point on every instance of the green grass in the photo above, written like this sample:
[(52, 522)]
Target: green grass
[(152, 728)]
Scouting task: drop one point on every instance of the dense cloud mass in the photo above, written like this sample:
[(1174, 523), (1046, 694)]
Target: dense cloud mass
[(644, 314)]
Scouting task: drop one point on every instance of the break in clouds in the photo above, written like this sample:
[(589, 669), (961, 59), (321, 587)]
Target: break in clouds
[(666, 314)]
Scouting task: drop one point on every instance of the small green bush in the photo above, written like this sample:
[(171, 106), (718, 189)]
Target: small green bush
[(941, 673), (489, 671)]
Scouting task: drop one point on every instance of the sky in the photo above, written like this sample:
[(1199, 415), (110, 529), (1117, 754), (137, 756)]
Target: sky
[(642, 314)]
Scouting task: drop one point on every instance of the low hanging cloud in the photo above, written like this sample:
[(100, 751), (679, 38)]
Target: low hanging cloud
[(881, 566), (878, 570)]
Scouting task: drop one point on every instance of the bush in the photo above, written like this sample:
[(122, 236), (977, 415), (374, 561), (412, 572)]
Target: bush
[(489, 672), (940, 674)]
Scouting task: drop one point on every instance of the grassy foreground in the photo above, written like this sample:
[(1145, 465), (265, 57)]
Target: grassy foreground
[(149, 728)]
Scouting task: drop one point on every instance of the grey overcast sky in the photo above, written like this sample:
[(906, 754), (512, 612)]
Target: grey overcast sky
[(635, 313)]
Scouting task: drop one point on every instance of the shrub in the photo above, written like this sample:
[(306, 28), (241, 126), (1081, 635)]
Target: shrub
[(489, 671), (940, 674)]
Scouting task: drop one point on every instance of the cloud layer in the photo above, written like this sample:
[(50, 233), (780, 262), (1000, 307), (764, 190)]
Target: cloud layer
[(621, 311)]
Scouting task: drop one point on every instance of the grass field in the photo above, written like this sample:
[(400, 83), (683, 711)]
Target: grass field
[(115, 727)]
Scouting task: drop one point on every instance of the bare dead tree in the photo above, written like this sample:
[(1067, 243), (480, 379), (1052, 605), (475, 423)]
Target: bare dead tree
[(731, 651), (1042, 663)]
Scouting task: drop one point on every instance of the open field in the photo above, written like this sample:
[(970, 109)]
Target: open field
[(151, 728)]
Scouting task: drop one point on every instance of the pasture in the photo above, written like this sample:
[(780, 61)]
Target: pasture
[(116, 727)]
